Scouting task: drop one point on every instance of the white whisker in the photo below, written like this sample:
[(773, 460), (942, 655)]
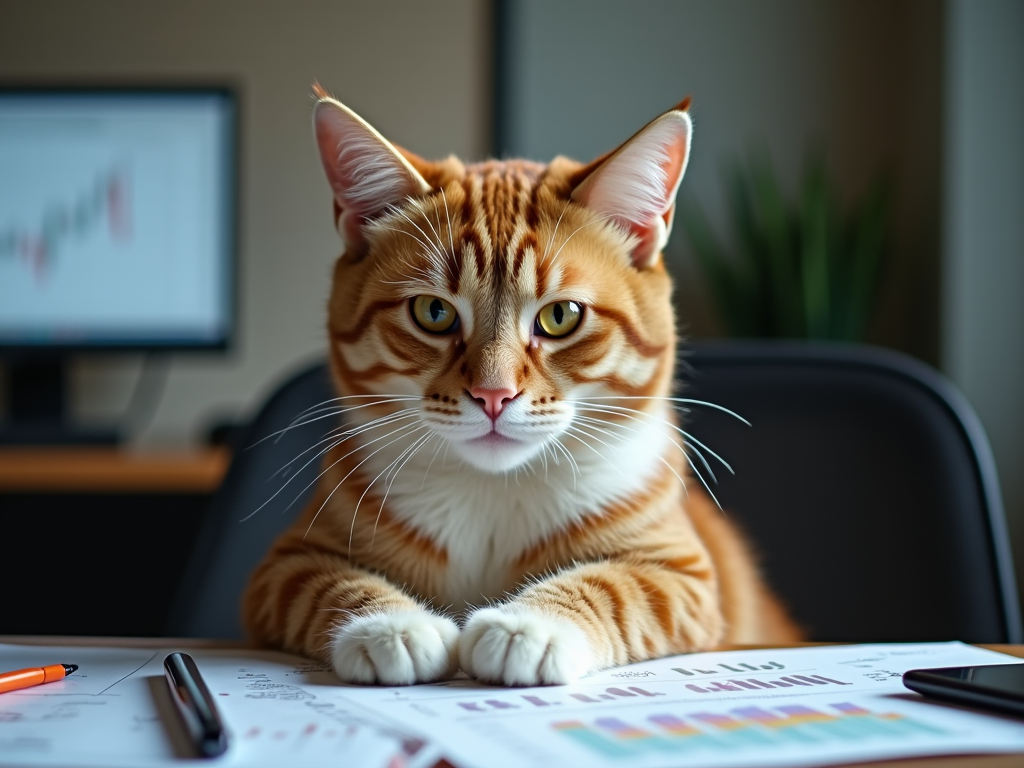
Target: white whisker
[(597, 220), (686, 400), (344, 397), (338, 412), (617, 411), (408, 453), (551, 237), (683, 448), (431, 250), (398, 231), (335, 439), (666, 423), (623, 411), (408, 430), (447, 215), (572, 430), (322, 473), (575, 469)]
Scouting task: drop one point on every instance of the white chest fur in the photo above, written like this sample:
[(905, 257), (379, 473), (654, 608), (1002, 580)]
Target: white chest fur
[(485, 521)]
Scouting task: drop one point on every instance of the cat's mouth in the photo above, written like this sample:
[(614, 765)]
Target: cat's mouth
[(502, 444), (494, 438), (496, 452)]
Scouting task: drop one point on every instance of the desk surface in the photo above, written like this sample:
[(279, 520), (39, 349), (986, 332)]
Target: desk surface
[(961, 761), (91, 470)]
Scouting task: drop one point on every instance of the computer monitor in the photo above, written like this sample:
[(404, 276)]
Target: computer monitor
[(117, 232)]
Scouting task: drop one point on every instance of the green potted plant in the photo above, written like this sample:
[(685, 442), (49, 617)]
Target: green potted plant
[(801, 268)]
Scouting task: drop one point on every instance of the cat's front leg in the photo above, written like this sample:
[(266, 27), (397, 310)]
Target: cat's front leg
[(593, 616), (310, 600)]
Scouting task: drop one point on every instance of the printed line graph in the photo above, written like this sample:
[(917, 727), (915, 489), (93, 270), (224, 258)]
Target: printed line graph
[(758, 684), (762, 684), (743, 728), (61, 224), (614, 693), (741, 667)]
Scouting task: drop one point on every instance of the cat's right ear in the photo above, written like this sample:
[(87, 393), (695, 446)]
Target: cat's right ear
[(635, 186), (367, 173)]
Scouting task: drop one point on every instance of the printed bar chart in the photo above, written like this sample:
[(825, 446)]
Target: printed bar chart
[(743, 728)]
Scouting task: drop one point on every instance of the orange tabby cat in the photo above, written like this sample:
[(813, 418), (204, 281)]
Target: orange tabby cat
[(503, 341)]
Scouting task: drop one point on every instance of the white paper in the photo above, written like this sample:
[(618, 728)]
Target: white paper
[(790, 707), (116, 711)]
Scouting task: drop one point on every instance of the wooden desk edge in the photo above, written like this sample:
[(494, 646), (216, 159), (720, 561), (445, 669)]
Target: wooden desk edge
[(126, 642), (208, 642), (98, 470), (1002, 760)]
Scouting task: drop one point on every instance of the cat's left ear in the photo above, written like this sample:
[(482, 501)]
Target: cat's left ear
[(367, 173), (636, 184)]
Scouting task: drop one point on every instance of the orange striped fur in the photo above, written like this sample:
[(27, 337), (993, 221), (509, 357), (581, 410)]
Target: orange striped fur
[(500, 497)]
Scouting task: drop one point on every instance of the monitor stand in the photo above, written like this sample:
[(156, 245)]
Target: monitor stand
[(37, 407)]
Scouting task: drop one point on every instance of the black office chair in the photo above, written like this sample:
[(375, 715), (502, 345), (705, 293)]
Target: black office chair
[(865, 483), (242, 523)]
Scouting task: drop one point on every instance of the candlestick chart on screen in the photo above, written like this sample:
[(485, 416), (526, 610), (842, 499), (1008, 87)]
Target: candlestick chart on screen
[(101, 209)]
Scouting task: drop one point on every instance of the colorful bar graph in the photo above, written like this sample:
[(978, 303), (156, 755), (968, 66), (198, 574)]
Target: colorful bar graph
[(580, 733), (743, 728)]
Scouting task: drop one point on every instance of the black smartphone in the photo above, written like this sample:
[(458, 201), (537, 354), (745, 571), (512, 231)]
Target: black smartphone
[(996, 686)]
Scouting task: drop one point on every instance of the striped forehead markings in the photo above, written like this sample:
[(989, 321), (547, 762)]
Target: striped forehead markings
[(499, 202), (528, 240), (493, 227)]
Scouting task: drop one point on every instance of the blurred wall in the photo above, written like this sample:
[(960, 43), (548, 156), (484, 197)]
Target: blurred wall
[(856, 80), (418, 71), (983, 227)]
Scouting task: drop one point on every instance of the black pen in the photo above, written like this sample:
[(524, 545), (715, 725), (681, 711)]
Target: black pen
[(195, 704)]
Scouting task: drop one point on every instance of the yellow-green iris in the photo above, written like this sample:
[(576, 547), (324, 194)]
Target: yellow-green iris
[(559, 319), (433, 314)]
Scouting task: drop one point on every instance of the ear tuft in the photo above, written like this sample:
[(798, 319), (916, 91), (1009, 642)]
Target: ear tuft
[(636, 185), (366, 172)]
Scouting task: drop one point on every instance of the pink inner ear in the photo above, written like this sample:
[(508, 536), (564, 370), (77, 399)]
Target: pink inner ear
[(366, 173), (673, 166), (637, 184)]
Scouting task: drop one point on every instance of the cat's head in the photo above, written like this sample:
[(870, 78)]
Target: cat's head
[(508, 308)]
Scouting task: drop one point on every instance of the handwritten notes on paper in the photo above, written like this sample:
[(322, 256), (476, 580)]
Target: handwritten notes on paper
[(115, 711)]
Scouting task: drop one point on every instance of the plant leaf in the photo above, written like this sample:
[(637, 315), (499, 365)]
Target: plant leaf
[(779, 248)]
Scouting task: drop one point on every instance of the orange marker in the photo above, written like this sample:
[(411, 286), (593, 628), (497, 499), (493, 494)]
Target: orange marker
[(26, 678)]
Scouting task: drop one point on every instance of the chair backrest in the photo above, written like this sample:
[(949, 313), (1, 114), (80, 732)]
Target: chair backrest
[(258, 499), (865, 483)]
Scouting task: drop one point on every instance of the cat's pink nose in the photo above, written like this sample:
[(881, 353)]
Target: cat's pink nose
[(493, 401)]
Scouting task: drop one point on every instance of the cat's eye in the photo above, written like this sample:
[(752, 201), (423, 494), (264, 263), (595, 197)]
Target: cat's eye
[(559, 319), (433, 314)]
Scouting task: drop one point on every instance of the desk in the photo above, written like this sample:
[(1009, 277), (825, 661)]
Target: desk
[(969, 761), (98, 503), (110, 470)]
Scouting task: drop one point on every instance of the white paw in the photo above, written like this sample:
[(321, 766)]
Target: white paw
[(517, 646), (395, 648)]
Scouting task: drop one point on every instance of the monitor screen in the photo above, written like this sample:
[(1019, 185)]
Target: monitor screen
[(117, 218)]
